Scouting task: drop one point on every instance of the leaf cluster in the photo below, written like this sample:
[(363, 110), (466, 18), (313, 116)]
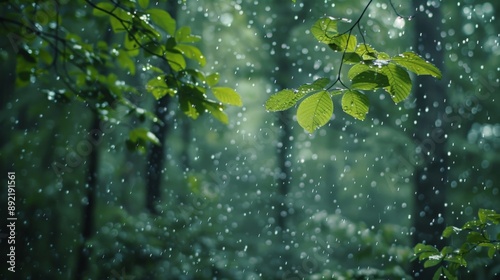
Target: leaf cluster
[(474, 234), (154, 31), (370, 70), (97, 72)]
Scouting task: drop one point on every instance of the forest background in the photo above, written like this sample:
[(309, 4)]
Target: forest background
[(136, 185)]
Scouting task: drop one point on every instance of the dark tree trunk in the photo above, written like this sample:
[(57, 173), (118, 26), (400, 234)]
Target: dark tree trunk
[(156, 157), (88, 211), (430, 130)]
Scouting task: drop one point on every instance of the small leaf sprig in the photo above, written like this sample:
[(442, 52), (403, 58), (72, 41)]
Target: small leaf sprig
[(370, 70), (477, 235)]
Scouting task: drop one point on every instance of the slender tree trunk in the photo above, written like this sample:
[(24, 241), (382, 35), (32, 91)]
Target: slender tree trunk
[(431, 174), (88, 213), (156, 156)]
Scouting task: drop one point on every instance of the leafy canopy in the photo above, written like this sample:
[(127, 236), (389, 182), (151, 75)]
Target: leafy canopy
[(97, 73)]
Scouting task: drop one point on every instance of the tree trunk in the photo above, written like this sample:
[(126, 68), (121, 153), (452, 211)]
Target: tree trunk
[(88, 213), (156, 156), (431, 172)]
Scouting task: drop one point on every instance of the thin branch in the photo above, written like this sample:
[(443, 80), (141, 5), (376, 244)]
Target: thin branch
[(349, 32), (399, 14)]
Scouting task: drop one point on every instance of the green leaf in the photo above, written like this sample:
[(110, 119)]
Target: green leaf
[(448, 274), (190, 104), (121, 21), (437, 274), (344, 42), (494, 218), (125, 62), (447, 250), (217, 112), (369, 80), (419, 248), (212, 79), (487, 244), (366, 52), (154, 48), (432, 262), (315, 111), (491, 252), (158, 87), (325, 29), (484, 215), (417, 65), (448, 231), (475, 237), (352, 58), (316, 86), (183, 35), (457, 259), (163, 19), (192, 52), (143, 3), (143, 134), (399, 81), (355, 104), (175, 60), (472, 224), (131, 45), (196, 74), (358, 69), (283, 100), (227, 95)]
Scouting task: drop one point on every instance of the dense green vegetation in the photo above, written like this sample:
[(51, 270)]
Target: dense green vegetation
[(143, 146)]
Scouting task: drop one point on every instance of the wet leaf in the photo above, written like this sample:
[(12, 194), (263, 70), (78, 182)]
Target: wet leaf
[(315, 111), (355, 104), (183, 35), (399, 82), (448, 231), (227, 95), (192, 52), (343, 43), (417, 65), (369, 80), (283, 100), (325, 29)]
